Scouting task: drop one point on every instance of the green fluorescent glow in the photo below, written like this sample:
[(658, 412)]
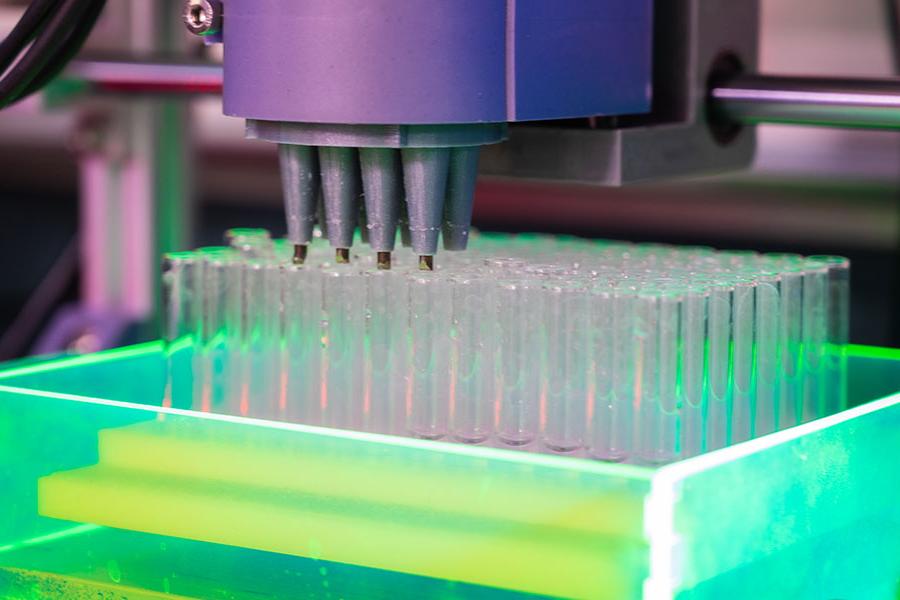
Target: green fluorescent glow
[(50, 537), (116, 354), (109, 493), (726, 455), (874, 352)]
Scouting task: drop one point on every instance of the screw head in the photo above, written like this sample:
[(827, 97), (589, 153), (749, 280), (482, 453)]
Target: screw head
[(203, 17)]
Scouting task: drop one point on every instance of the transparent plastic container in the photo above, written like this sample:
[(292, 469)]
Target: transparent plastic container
[(110, 492)]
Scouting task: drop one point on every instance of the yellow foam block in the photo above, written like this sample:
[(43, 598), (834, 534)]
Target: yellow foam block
[(228, 454), (503, 554)]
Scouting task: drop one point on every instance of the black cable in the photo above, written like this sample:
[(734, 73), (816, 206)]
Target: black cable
[(66, 51), (61, 29), (24, 31), (56, 30)]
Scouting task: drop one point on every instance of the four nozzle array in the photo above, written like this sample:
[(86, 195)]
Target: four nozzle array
[(620, 352), (424, 193)]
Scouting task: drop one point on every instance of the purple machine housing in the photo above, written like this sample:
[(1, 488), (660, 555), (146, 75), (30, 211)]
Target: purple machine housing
[(381, 106)]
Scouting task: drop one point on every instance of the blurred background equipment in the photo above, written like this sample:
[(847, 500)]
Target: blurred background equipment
[(122, 154)]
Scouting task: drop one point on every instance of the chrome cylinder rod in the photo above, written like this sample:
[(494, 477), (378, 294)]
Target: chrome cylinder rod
[(832, 102)]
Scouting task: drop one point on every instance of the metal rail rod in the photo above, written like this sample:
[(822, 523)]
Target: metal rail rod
[(834, 102), (147, 78)]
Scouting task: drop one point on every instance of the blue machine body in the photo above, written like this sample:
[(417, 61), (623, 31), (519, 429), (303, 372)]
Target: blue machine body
[(436, 61)]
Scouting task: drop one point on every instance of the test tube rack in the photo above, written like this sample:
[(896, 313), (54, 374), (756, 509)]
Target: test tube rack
[(639, 353)]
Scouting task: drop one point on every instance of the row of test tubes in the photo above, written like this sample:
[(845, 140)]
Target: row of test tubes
[(621, 352)]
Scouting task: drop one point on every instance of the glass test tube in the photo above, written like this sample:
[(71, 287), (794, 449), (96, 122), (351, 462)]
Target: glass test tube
[(520, 356), (180, 323), (743, 368), (564, 397), (790, 400), (214, 365), (259, 345), (301, 344), (768, 354), (694, 369), (387, 325), (604, 436), (719, 366), (474, 334), (343, 330), (427, 404), (657, 329), (837, 315), (814, 334)]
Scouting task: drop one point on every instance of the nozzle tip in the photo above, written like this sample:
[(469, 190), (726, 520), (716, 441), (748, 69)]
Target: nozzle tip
[(384, 261), (299, 254)]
